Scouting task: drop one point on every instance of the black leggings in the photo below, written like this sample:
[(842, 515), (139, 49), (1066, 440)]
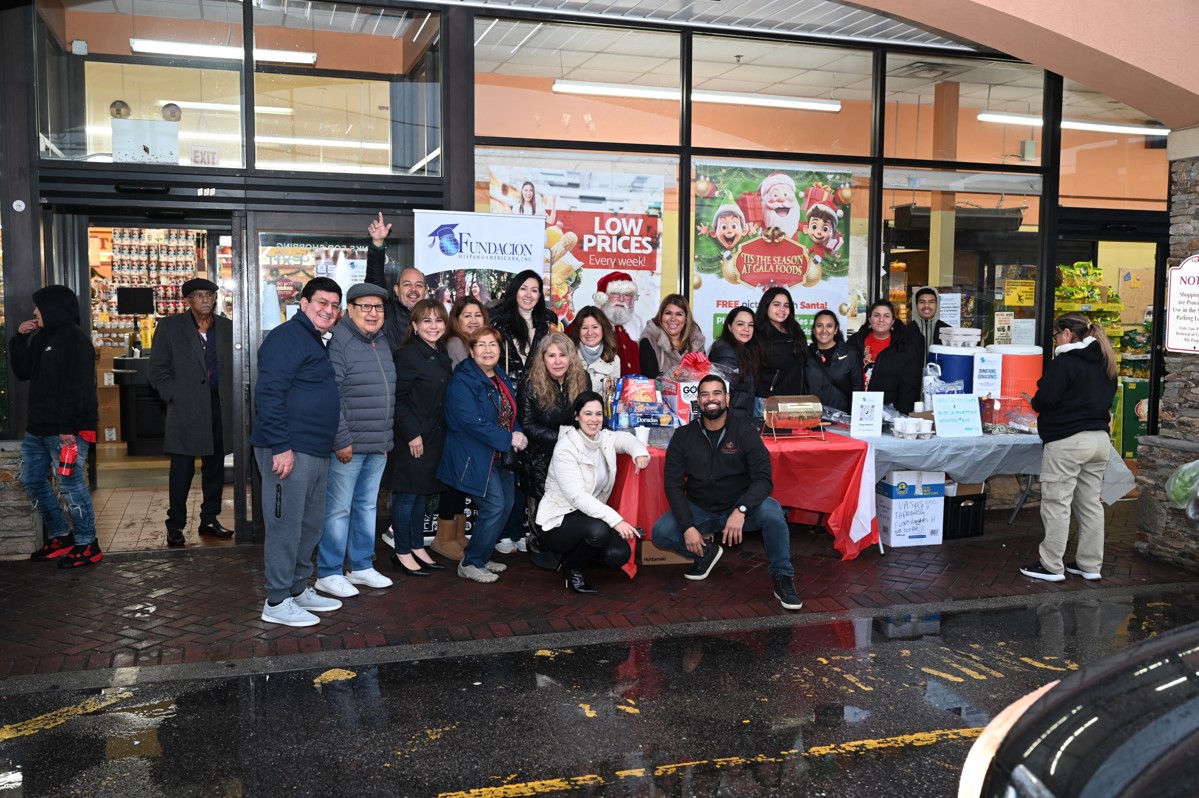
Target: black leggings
[(579, 538), (452, 504)]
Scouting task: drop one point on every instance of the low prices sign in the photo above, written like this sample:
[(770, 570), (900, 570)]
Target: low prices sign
[(606, 240), (1182, 306), (784, 262)]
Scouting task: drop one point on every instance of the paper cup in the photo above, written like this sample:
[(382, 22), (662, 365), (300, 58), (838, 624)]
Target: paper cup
[(926, 425), (642, 434)]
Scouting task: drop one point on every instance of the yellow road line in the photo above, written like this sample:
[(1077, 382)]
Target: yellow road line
[(59, 716), (546, 786)]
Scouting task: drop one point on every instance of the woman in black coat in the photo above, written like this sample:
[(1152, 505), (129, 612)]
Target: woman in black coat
[(555, 377), (834, 369), (423, 373), (737, 351), (783, 343), (522, 318), (890, 359)]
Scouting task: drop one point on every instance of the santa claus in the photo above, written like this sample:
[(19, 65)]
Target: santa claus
[(779, 206), (616, 296)]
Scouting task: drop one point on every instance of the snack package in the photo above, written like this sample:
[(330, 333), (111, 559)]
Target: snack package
[(636, 388)]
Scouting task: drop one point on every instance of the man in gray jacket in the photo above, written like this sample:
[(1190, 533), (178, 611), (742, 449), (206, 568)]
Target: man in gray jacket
[(366, 382), (191, 367)]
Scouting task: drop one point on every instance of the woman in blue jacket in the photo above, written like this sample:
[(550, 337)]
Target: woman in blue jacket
[(482, 426)]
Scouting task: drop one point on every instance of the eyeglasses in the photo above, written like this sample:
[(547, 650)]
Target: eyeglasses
[(368, 307)]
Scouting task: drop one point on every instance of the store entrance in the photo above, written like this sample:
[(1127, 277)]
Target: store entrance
[(132, 269)]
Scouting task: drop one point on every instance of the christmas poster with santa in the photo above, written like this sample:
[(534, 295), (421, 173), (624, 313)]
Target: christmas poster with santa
[(602, 228), (757, 228)]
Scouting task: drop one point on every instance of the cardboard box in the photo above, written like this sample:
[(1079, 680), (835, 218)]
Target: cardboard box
[(964, 488), (649, 554), (910, 508), (682, 398)]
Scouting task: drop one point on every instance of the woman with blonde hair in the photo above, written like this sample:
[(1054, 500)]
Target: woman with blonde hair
[(668, 336), (554, 379), (1074, 401)]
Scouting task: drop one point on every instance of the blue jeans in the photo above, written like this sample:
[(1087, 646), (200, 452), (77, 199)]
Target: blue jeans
[(39, 456), (517, 523), (408, 520), (767, 516), (493, 508), (351, 495)]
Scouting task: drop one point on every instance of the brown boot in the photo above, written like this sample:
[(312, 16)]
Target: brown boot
[(445, 542), (460, 530)]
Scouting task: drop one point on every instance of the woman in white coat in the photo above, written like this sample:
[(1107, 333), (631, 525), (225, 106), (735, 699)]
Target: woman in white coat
[(573, 517)]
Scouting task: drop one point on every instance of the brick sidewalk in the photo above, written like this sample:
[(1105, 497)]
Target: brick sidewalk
[(203, 605)]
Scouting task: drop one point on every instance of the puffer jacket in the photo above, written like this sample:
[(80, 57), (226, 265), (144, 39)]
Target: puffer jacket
[(897, 371), (541, 425), (511, 360), (366, 384), (834, 381), (742, 387), (571, 482)]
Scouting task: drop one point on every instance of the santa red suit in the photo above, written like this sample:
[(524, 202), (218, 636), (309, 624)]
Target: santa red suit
[(620, 312)]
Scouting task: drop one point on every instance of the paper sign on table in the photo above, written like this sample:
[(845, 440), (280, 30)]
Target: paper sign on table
[(957, 416), (866, 415)]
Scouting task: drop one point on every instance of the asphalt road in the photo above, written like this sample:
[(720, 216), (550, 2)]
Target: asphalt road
[(868, 706)]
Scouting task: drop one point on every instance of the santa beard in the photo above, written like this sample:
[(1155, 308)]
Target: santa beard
[(622, 316), (788, 221)]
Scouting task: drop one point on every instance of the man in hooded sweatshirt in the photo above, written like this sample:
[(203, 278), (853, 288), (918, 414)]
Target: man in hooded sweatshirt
[(926, 324), (53, 352)]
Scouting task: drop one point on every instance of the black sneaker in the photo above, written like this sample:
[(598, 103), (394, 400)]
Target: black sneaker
[(1038, 571), (784, 591), (81, 556), (703, 566), (1072, 568), (55, 547)]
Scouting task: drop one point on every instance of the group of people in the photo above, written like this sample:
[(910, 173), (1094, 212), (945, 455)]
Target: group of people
[(497, 404)]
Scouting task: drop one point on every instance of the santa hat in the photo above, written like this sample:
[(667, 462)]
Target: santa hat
[(619, 282), (821, 197), (728, 209), (776, 179)]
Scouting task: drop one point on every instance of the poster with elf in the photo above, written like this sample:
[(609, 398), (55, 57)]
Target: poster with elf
[(757, 228)]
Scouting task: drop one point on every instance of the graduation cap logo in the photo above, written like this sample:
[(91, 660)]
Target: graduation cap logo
[(446, 240)]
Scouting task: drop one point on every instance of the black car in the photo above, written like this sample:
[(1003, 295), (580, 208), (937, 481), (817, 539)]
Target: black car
[(1125, 725)]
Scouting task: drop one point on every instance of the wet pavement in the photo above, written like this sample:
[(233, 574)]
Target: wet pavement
[(863, 705)]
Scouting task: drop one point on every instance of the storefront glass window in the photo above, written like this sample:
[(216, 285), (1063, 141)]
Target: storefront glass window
[(604, 213), (761, 224), (974, 237), (1107, 162), (767, 95), (141, 82), (950, 109), (548, 80), (345, 88)]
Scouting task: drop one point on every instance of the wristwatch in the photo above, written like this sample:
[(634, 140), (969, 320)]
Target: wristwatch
[(743, 509)]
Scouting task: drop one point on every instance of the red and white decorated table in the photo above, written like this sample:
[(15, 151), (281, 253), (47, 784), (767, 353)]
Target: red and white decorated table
[(833, 477)]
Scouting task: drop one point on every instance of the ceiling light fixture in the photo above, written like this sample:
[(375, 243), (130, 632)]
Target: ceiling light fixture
[(221, 51), (1075, 124), (229, 107), (697, 95)]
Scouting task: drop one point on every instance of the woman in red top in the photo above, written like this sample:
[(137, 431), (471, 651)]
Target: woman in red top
[(890, 364)]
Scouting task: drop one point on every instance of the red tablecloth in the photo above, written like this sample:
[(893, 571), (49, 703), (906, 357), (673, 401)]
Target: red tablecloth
[(834, 477)]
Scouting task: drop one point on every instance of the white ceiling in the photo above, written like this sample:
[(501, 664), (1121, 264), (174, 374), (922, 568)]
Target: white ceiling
[(649, 57)]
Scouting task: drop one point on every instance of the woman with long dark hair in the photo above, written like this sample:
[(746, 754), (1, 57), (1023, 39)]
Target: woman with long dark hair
[(668, 336), (468, 314), (521, 316), (595, 338), (783, 345), (1074, 400), (740, 354), (834, 368), (890, 359)]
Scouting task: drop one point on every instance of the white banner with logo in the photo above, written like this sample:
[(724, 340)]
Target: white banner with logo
[(462, 252)]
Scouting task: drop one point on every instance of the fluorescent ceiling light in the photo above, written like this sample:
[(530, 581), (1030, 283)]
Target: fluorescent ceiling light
[(230, 107), (226, 52), (698, 95), (1075, 124), (234, 138)]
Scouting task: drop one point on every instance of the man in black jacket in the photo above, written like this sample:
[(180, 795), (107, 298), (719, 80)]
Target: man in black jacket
[(718, 477), (56, 356), (410, 289)]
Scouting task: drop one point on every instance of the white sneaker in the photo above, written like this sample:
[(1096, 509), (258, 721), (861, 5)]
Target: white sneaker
[(368, 577), (389, 537), (288, 613), (496, 567), (315, 602), (336, 585), (505, 546), (476, 574), (522, 545)]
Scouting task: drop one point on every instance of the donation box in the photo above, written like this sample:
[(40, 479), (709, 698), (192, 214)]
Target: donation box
[(911, 507)]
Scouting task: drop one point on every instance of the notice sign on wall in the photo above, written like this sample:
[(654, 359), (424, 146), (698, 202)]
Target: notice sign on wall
[(1182, 306)]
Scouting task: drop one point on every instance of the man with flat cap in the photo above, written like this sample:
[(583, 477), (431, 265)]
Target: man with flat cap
[(191, 367)]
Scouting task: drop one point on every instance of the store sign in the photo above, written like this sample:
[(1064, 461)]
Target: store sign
[(1182, 306), (452, 240), (1019, 293), (614, 240), (205, 156)]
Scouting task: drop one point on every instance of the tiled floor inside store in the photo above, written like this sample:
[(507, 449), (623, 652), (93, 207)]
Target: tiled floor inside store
[(134, 519)]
